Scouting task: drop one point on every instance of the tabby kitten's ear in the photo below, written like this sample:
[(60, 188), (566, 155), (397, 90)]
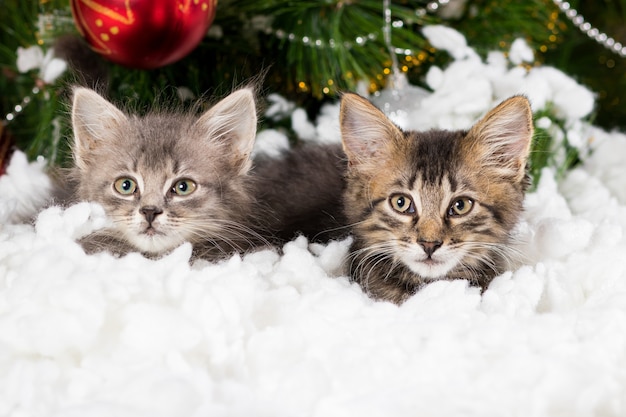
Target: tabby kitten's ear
[(367, 134), (95, 122), (501, 139), (232, 122)]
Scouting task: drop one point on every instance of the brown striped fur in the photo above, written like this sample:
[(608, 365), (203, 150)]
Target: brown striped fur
[(461, 192)]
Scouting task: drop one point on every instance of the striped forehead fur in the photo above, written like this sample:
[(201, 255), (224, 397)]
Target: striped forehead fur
[(433, 153)]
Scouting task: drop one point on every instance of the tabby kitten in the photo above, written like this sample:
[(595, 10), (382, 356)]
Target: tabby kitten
[(166, 178), (432, 205)]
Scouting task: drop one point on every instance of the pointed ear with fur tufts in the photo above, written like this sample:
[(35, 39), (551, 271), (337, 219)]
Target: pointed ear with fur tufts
[(232, 122), (95, 122), (366, 132), (501, 139)]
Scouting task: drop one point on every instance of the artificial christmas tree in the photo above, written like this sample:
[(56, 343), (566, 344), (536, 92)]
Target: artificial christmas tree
[(312, 50)]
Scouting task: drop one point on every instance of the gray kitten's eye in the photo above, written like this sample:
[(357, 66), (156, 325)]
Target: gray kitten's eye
[(402, 204), (461, 207), (184, 187), (125, 186)]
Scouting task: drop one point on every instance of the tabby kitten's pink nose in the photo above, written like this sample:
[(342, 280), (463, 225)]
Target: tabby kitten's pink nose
[(430, 247)]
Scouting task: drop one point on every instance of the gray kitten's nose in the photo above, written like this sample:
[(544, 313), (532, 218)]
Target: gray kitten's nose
[(430, 247), (150, 212)]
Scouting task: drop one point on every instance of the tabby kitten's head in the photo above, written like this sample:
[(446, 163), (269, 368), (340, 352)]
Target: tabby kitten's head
[(164, 178), (432, 205)]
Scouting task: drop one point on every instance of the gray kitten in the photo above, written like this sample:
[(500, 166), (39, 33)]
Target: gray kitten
[(166, 178)]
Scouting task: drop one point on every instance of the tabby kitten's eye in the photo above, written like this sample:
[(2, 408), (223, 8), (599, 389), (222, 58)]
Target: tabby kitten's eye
[(184, 187), (125, 186), (461, 207), (402, 204)]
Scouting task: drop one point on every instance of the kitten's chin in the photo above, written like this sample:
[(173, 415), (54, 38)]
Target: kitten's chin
[(431, 269), (153, 242)]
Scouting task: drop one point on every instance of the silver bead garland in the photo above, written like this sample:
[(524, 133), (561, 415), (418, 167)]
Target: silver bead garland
[(593, 33), (570, 13), (360, 40), (20, 107)]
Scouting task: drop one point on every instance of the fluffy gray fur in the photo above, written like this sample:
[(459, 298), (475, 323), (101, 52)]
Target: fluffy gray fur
[(166, 178)]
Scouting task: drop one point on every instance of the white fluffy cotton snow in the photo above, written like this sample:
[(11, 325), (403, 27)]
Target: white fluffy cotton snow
[(287, 335)]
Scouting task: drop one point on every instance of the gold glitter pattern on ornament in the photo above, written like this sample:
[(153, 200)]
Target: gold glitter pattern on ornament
[(126, 19)]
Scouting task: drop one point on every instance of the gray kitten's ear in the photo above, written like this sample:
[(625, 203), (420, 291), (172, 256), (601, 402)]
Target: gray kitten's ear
[(232, 121), (366, 132), (501, 139), (95, 122)]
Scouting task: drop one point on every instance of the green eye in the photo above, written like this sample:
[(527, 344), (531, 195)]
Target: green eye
[(184, 187), (125, 186), (402, 203), (461, 207)]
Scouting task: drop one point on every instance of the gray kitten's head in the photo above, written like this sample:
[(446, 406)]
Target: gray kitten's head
[(165, 178)]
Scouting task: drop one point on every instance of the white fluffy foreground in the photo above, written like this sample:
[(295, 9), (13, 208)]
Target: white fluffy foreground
[(271, 335)]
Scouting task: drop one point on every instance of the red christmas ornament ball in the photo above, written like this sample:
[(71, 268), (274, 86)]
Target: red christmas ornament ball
[(143, 33)]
